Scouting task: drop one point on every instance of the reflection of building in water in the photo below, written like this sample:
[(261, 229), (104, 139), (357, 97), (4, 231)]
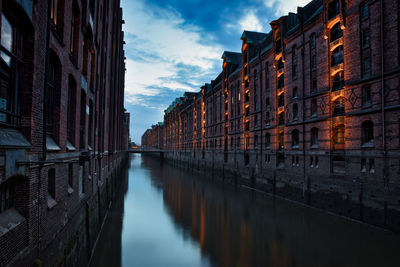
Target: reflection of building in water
[(236, 228)]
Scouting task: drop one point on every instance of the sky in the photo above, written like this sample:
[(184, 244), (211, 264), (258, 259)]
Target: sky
[(175, 46)]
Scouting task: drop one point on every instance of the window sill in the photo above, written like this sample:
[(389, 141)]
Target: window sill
[(368, 145), (51, 203), (70, 190), (10, 219)]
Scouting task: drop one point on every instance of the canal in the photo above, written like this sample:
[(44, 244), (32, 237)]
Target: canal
[(166, 216)]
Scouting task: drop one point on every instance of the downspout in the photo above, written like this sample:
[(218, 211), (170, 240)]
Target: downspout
[(385, 167), (44, 119), (302, 100)]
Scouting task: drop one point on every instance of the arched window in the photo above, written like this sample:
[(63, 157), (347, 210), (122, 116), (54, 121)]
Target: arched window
[(57, 17), (338, 81), (267, 140), (314, 137), (337, 56), (339, 107), (338, 134), (295, 138), (367, 132), (336, 32)]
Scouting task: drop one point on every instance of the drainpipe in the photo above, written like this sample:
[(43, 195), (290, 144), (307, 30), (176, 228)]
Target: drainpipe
[(302, 100), (385, 167)]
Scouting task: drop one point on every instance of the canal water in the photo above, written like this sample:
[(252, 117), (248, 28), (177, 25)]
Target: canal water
[(166, 216)]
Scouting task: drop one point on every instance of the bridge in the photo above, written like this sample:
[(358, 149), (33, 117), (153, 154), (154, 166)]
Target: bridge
[(146, 150)]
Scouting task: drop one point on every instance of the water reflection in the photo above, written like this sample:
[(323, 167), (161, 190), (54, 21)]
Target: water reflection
[(176, 218)]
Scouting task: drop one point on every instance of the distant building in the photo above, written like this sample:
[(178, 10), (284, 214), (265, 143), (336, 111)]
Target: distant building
[(309, 109), (154, 137), (61, 126)]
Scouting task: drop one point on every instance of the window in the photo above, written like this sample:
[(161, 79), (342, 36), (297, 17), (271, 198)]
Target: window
[(255, 75), (366, 96), (314, 85), (338, 134), (71, 175), (337, 56), (282, 118), (314, 62), (247, 126), (232, 144), (238, 142), (71, 107), (247, 110), (56, 16), (267, 140), (339, 107), (281, 100), (74, 34), (365, 38), (278, 45), (267, 119), (267, 102), (314, 137), (7, 195), (295, 112), (333, 9), (366, 67), (266, 77), (246, 142), (338, 81), (281, 81), (313, 107), (51, 184), (52, 92), (9, 72), (313, 41), (295, 92), (295, 138), (280, 64), (256, 141), (365, 10), (367, 132), (281, 141), (336, 32), (82, 123), (294, 71)]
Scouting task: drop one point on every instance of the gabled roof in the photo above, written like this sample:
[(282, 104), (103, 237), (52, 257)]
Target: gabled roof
[(232, 57), (253, 37)]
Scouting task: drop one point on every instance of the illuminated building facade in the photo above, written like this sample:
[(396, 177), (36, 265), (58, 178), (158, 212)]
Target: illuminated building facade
[(299, 112)]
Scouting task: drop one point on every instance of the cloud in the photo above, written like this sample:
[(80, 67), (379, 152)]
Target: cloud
[(250, 22), (283, 7), (165, 52)]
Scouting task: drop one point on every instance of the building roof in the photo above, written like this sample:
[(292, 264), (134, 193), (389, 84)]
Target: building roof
[(253, 37)]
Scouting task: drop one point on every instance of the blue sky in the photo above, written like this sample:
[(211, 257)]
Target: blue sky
[(173, 46)]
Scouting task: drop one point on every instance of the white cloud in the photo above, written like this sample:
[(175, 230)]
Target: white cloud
[(250, 22), (283, 7), (171, 42)]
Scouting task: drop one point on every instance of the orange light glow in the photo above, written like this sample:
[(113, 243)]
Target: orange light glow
[(244, 46)]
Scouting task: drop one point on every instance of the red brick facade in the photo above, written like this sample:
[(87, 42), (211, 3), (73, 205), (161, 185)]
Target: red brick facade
[(300, 110), (62, 125)]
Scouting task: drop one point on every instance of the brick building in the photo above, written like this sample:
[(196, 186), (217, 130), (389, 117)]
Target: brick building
[(154, 137), (309, 111), (63, 130)]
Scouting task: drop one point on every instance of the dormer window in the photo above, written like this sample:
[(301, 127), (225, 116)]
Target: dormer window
[(333, 9), (336, 32)]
